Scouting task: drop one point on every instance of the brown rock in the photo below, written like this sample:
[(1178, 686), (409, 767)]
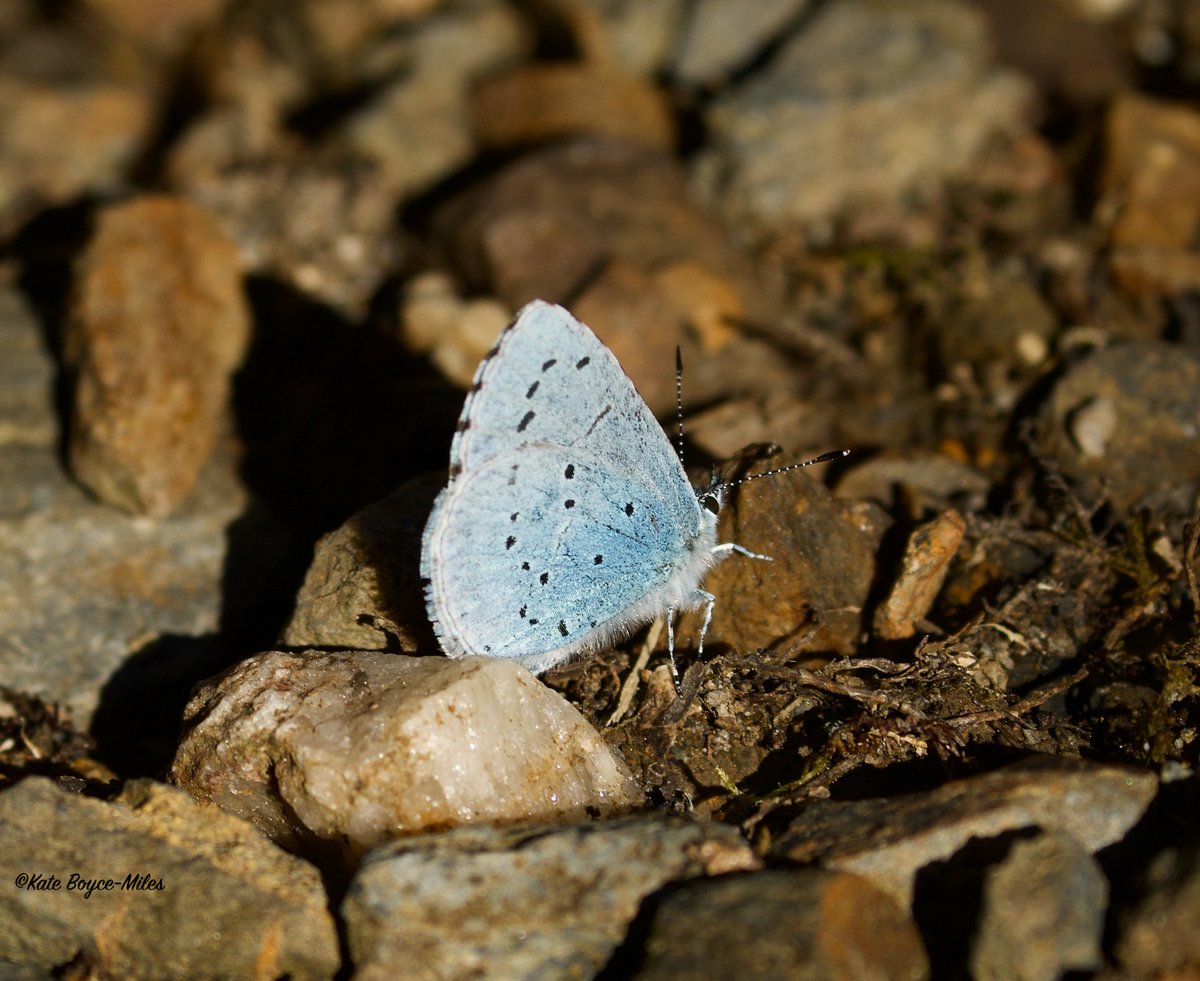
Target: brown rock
[(926, 562), (544, 226), (59, 143), (1158, 939), (1150, 187), (369, 567), (798, 924), (548, 101), (810, 596), (158, 325)]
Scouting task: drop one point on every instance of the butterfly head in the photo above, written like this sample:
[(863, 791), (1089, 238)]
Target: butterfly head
[(713, 496)]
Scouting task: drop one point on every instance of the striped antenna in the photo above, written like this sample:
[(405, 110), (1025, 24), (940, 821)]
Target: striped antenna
[(823, 458), (679, 400)]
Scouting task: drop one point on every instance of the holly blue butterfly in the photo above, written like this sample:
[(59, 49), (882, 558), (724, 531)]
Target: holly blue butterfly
[(568, 519)]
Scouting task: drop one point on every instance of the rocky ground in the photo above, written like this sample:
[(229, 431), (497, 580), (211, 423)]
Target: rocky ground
[(250, 256)]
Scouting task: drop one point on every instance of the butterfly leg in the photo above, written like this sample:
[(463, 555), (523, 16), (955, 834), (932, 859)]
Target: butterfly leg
[(671, 650), (731, 547), (709, 601)]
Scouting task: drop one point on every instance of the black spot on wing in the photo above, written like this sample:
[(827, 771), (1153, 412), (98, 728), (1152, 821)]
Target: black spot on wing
[(568, 504), (547, 365), (525, 420), (582, 363), (544, 578), (532, 388), (510, 542), (598, 560), (569, 473)]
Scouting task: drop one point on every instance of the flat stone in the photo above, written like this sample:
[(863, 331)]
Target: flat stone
[(525, 902), (926, 561), (889, 840), (114, 886), (871, 99)]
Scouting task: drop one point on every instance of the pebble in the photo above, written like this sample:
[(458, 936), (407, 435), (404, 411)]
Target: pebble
[(158, 325), (1042, 913), (1123, 423), (524, 902), (332, 753), (148, 856), (926, 561), (790, 924), (868, 101)]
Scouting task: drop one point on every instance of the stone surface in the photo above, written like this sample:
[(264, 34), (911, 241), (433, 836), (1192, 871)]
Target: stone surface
[(63, 142), (336, 752), (536, 902), (888, 841), (418, 130), (811, 595), (928, 481), (326, 230), (1149, 191), (926, 561), (1123, 423), (720, 36), (158, 325), (1158, 939), (454, 333), (177, 890), (1043, 912), (636, 36), (537, 103), (92, 596), (802, 924), (869, 100), (370, 568)]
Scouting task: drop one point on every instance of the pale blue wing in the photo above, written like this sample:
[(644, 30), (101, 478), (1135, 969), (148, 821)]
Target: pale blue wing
[(546, 549), (549, 379)]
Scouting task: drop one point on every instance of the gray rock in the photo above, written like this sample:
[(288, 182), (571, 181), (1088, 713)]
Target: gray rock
[(1158, 938), (419, 129), (337, 752), (889, 841), (1123, 423), (871, 99), (1043, 913), (527, 903), (86, 586), (153, 886), (804, 924), (719, 36)]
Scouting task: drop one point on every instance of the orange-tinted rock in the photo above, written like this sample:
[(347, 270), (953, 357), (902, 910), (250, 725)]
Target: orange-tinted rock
[(545, 102), (158, 325)]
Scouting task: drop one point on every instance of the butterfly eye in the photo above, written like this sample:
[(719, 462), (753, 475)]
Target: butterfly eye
[(710, 503)]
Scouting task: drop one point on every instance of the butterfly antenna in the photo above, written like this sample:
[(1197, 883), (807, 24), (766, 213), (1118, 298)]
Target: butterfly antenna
[(823, 458), (679, 400)]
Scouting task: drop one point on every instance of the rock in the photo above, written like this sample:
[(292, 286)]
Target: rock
[(60, 143), (927, 481), (610, 228), (889, 841), (158, 325), (1043, 912), (810, 597), (1157, 938), (868, 101), (1122, 423), (636, 36), (545, 225), (327, 230), (418, 130), (109, 888), (370, 568), (718, 37), (455, 334), (162, 25), (1149, 191), (530, 902), (725, 429), (337, 752), (538, 103), (927, 558), (801, 924), (120, 612)]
